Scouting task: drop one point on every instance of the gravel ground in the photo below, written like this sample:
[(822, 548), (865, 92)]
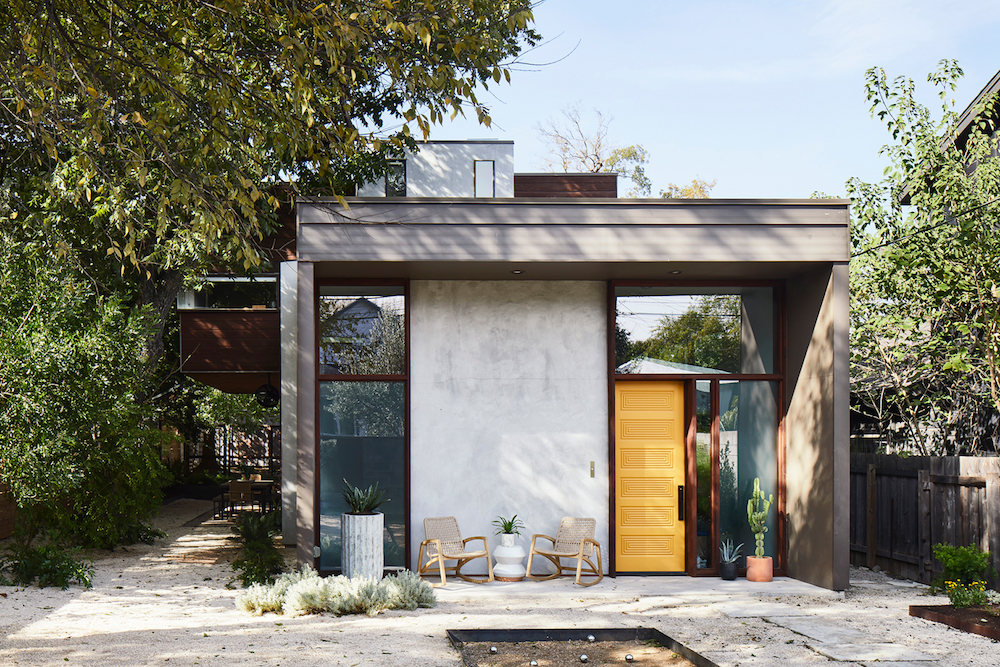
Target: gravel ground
[(169, 603)]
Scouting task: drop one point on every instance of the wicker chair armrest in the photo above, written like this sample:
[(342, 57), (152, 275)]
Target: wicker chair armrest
[(547, 537), (437, 547), (486, 545)]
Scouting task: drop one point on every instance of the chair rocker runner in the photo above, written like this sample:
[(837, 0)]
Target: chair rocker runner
[(575, 540), (444, 542)]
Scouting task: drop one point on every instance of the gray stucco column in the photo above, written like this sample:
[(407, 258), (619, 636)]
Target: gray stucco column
[(306, 413)]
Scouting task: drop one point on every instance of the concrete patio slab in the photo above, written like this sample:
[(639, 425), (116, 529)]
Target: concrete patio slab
[(821, 629), (871, 652), (688, 590), (904, 663), (754, 609)]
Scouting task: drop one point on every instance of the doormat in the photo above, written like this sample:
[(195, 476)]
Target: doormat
[(647, 646)]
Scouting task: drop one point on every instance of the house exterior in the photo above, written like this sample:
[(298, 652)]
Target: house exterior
[(497, 393), (490, 378)]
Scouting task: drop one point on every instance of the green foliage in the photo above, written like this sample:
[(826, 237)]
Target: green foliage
[(697, 189), (963, 565), (757, 509), (509, 526), (707, 335), (169, 120), (363, 502), (964, 595), (925, 277), (305, 592), (76, 447), (47, 565), (260, 559)]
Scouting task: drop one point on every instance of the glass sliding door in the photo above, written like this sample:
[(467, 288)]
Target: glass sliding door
[(362, 411)]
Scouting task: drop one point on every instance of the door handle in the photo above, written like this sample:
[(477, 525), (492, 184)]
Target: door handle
[(680, 502)]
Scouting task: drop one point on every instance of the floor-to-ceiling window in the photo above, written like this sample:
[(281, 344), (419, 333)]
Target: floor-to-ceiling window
[(724, 340), (362, 409)]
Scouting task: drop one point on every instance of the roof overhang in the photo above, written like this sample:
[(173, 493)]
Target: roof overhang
[(596, 239)]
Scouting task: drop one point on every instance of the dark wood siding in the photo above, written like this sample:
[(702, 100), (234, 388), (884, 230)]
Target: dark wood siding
[(230, 341), (565, 185)]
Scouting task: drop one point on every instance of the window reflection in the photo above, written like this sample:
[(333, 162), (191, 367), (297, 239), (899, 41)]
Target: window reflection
[(706, 331), (362, 335)]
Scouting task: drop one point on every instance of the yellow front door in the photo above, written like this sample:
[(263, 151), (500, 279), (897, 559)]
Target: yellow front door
[(649, 468)]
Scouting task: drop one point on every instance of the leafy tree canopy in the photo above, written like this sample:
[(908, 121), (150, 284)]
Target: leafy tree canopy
[(925, 271), (166, 122)]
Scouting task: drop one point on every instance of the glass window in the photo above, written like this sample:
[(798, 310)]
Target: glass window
[(395, 179), (362, 441), (217, 292), (699, 331), (703, 452), (484, 177), (362, 331), (748, 438)]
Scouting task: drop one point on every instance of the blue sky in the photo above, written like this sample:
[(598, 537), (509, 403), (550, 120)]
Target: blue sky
[(765, 97)]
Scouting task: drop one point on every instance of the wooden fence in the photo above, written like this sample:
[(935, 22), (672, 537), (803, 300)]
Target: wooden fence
[(904, 506)]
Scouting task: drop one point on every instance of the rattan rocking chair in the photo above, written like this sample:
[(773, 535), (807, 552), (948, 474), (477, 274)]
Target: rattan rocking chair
[(575, 540), (444, 542)]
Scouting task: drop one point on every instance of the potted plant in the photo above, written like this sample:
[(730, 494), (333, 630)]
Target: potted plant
[(509, 556), (759, 566), (727, 564), (507, 529), (361, 530)]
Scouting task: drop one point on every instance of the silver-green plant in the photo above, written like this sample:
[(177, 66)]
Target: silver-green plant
[(297, 594), (729, 553), (757, 509)]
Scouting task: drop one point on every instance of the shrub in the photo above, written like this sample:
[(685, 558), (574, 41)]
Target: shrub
[(261, 559), (297, 594), (48, 565), (962, 565), (966, 595)]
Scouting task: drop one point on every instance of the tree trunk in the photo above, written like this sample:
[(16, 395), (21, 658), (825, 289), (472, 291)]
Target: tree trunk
[(158, 293)]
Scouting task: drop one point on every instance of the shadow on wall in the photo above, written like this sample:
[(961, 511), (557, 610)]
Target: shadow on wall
[(810, 447)]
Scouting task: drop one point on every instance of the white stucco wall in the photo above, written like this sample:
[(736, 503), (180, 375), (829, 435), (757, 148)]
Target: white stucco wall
[(445, 169), (509, 405)]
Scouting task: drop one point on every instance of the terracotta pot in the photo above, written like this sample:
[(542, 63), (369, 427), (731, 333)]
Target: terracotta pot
[(727, 571), (759, 569)]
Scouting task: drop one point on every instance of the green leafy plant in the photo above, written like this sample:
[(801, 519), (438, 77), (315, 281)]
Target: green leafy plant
[(509, 526), (48, 565), (757, 509), (305, 592), (260, 560), (363, 502), (729, 553), (962, 565)]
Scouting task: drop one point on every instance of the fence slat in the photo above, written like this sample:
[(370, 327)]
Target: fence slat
[(871, 541), (926, 523)]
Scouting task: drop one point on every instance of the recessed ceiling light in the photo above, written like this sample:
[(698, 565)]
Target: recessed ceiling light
[(517, 272), (674, 273)]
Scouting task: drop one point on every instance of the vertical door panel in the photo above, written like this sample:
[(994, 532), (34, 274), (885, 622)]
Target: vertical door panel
[(649, 468)]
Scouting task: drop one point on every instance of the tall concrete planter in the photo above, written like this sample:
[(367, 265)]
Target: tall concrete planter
[(362, 553)]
